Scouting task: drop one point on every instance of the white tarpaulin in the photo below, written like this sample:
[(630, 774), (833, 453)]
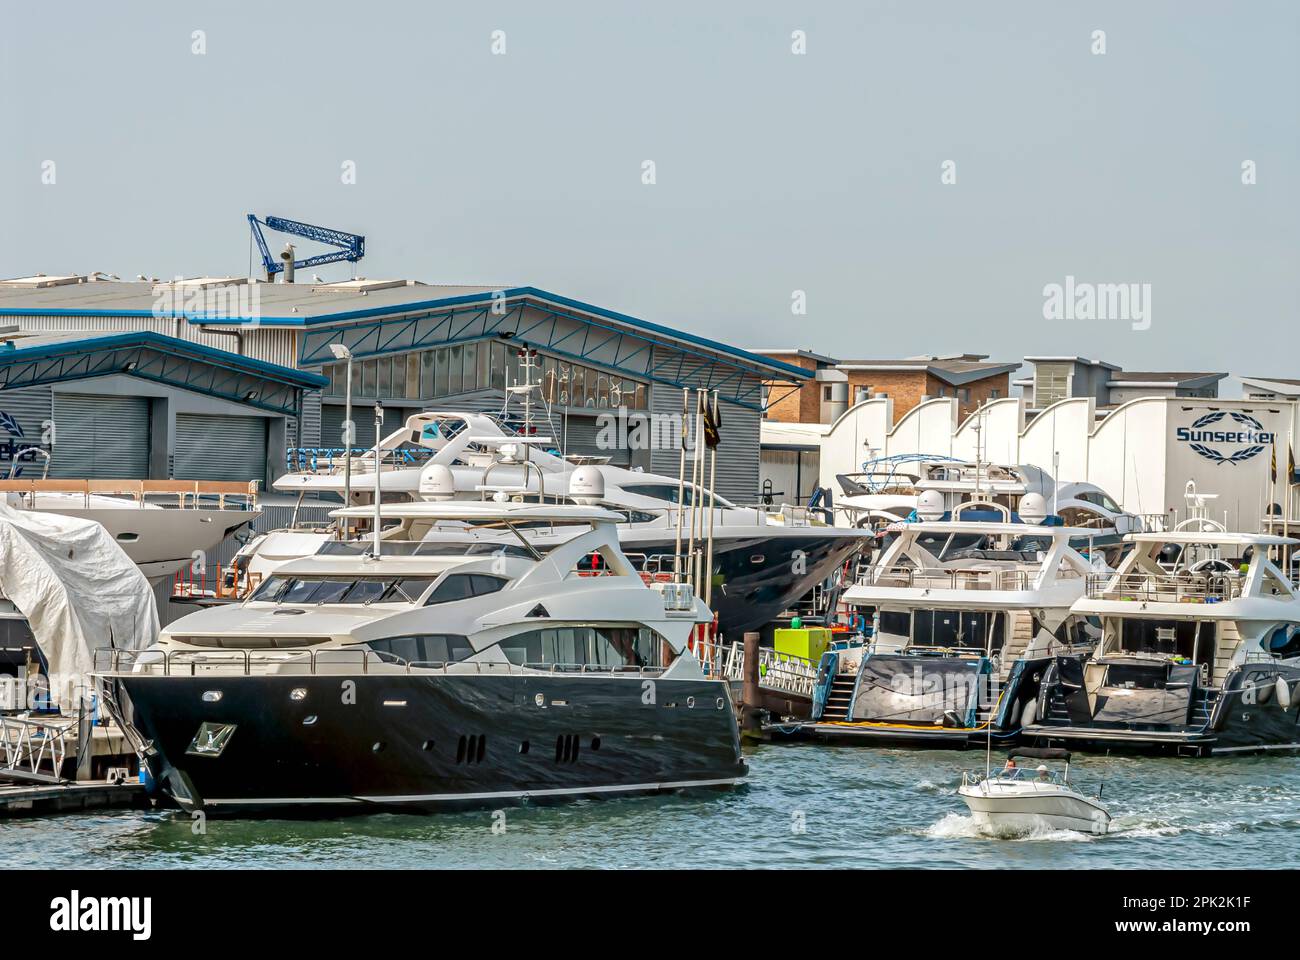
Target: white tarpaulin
[(78, 589)]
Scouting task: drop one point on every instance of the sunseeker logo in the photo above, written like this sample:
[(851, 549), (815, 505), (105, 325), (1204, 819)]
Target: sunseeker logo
[(75, 913), (1242, 438)]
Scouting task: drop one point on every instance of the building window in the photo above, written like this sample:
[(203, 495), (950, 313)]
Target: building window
[(826, 393), (965, 395), (446, 371), (861, 393), (994, 393), (1051, 383)]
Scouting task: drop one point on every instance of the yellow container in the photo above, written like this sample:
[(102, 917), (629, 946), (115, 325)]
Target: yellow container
[(807, 642)]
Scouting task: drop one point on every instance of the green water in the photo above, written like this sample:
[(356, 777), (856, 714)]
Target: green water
[(804, 806)]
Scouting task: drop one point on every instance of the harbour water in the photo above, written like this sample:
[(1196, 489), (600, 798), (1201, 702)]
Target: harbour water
[(804, 806)]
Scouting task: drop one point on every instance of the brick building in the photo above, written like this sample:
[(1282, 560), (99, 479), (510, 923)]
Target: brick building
[(838, 384)]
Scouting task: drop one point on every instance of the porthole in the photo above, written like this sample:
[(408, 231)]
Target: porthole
[(523, 747), (377, 747), (309, 721), (298, 694), (427, 745), (690, 703), (721, 703), (595, 743)]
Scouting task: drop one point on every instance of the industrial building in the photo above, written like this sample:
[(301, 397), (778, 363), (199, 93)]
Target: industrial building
[(1143, 452), (67, 359)]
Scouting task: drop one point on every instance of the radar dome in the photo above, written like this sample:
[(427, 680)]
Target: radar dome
[(1033, 508), (438, 483), (587, 485), (929, 505)]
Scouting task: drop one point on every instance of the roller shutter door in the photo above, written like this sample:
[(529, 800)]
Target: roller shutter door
[(363, 419), (214, 447), (100, 436)]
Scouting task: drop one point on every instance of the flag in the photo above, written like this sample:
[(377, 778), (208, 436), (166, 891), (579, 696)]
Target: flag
[(1272, 467), (1290, 465), (712, 422)]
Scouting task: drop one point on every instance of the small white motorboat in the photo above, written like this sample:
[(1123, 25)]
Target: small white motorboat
[(1020, 799)]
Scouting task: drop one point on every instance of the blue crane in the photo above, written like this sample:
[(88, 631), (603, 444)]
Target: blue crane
[(350, 246)]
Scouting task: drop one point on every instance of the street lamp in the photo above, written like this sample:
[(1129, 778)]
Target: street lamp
[(341, 352)]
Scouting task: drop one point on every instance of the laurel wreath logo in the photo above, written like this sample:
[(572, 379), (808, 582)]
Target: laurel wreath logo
[(1238, 456)]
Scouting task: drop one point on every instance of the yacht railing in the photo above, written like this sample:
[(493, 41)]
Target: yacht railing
[(329, 461), (1165, 588), (180, 494), (955, 578), (784, 672), (307, 661)]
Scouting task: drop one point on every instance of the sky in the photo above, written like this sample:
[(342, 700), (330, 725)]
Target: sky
[(909, 183)]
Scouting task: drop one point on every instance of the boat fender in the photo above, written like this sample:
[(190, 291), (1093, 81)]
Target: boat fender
[(1263, 692), (1283, 693), (1029, 714), (1013, 716)]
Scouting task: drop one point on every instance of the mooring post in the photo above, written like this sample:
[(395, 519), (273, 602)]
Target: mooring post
[(750, 724), (83, 740)]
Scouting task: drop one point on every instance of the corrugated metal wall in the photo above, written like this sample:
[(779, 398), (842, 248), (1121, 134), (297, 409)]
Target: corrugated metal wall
[(739, 453), (272, 344)]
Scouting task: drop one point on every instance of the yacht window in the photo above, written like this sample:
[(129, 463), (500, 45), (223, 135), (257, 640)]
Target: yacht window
[(461, 586), (407, 588), (273, 589), (668, 492), (300, 591), (583, 646), (363, 591), (423, 648), (330, 591)]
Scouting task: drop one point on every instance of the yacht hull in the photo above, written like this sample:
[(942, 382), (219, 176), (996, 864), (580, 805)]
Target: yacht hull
[(756, 579), (432, 740), (1239, 723)]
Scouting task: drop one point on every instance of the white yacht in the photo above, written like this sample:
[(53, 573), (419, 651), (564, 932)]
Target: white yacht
[(893, 490), (763, 560), (958, 639), (1198, 657), (162, 525), (415, 674)]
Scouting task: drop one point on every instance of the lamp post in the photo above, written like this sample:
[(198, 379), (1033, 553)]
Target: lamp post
[(341, 352)]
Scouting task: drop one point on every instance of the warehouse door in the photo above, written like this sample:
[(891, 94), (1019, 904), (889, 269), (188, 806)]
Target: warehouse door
[(363, 419), (214, 447), (100, 436)]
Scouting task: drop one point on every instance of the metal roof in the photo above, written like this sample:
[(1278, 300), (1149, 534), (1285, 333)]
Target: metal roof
[(311, 305), (160, 359)]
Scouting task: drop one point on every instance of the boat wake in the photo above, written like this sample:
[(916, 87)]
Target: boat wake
[(955, 826)]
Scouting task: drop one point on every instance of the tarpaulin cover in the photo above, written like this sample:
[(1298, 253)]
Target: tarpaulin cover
[(79, 591)]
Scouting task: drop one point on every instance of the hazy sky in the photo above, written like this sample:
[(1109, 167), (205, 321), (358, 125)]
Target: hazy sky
[(775, 172)]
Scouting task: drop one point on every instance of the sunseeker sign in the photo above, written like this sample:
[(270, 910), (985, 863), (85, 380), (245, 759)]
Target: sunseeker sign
[(1226, 436)]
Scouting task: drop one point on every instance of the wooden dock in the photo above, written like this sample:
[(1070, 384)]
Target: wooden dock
[(38, 799)]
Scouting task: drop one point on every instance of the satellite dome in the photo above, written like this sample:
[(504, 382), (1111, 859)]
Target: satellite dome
[(587, 485), (929, 505), (1033, 508), (438, 483)]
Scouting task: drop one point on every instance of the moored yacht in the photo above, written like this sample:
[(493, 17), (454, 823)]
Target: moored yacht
[(162, 525), (762, 560), (961, 637), (468, 669), (1199, 656)]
